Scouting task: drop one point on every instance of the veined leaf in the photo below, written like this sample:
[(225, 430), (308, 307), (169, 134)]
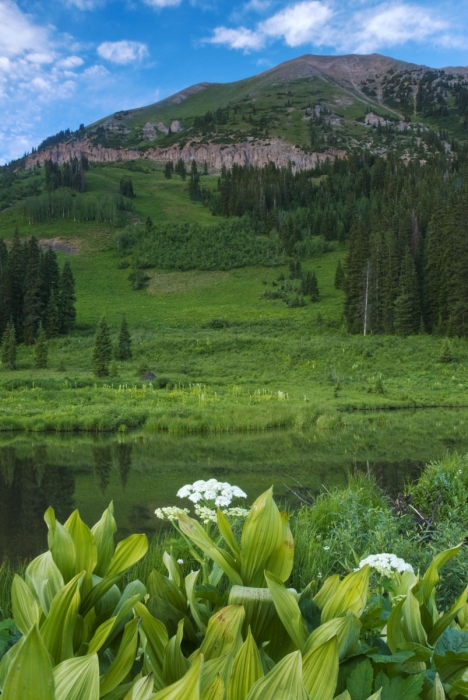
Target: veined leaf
[(247, 669), (284, 682), (350, 595), (8, 660), (431, 577), (200, 612), (61, 545), (224, 527), (26, 609), (359, 681), (109, 629), (127, 553), (85, 547), (103, 533), (223, 635), (262, 534), (58, 629), (188, 688), (77, 679), (346, 629), (156, 636), (162, 587), (222, 666), (411, 625), (328, 590), (395, 636), (320, 670), (175, 664), (123, 662), (215, 690), (174, 571), (195, 532), (437, 691), (376, 696), (45, 579), (30, 674), (142, 689), (280, 562), (288, 610), (343, 696), (445, 620)]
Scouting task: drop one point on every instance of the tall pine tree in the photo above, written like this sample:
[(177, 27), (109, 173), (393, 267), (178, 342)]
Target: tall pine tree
[(66, 300), (123, 348), (102, 351), (407, 306)]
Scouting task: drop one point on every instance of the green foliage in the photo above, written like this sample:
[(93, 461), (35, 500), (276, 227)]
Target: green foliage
[(9, 346), (126, 187), (41, 350), (123, 348), (102, 351)]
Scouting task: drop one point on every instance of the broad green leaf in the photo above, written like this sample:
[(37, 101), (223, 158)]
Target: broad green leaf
[(61, 545), (170, 617), (59, 626), (343, 696), (215, 690), (103, 533), (85, 547), (162, 587), (328, 590), (175, 663), (127, 553), (376, 696), (124, 659), (346, 629), (134, 589), (77, 679), (280, 562), (222, 666), (223, 635), (142, 689), (195, 532), (8, 659), (200, 613), (224, 527), (395, 636), (401, 688), (445, 620), (350, 595), (45, 579), (174, 570), (431, 577), (320, 670), (262, 534), (30, 674), (411, 625), (284, 682), (437, 691), (109, 629), (359, 682), (188, 688), (246, 671), (156, 636), (288, 610), (26, 609)]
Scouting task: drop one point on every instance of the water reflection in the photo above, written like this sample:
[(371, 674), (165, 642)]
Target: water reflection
[(141, 471)]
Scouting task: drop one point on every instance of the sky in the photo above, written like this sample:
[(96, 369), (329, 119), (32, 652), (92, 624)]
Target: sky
[(68, 62)]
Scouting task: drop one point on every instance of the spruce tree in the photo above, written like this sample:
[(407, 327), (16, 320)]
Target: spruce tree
[(14, 275), (32, 298), (52, 317), (407, 306), (313, 287), (9, 346), (49, 274), (123, 349), (66, 300), (194, 184), (168, 169), (102, 351), (41, 350), (339, 276)]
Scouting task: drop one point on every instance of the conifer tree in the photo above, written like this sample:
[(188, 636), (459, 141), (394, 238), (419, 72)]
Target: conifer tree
[(41, 350), (194, 184), (50, 275), (123, 348), (52, 317), (180, 169), (126, 187), (14, 285), (168, 169), (32, 298), (313, 287), (66, 300), (339, 276), (102, 351), (9, 346), (407, 306)]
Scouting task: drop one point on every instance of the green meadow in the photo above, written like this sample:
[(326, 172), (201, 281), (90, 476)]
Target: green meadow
[(224, 356)]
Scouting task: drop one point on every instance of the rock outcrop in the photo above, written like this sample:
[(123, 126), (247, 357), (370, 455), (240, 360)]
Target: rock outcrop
[(256, 152)]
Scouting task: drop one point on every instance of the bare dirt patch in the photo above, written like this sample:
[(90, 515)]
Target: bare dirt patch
[(180, 282), (71, 246)]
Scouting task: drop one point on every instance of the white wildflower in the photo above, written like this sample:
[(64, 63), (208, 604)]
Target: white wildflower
[(326, 548), (221, 493), (170, 513), (386, 563), (180, 561), (206, 515), (236, 512)]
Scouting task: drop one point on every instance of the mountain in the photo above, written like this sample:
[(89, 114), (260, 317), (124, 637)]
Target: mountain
[(304, 110)]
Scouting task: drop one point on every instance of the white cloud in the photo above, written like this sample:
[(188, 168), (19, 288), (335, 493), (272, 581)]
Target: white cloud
[(70, 62), (17, 32), (163, 3), (240, 38), (85, 4), (298, 24), (122, 52)]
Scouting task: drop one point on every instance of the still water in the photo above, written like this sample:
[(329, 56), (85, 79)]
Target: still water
[(143, 471)]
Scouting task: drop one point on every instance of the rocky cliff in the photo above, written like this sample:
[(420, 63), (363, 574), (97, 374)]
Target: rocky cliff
[(250, 152)]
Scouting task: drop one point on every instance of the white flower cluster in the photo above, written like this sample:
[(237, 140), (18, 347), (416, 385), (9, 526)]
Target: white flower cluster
[(386, 563), (220, 492), (208, 515), (170, 513)]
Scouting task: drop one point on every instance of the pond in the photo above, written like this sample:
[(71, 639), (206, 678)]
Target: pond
[(142, 471)]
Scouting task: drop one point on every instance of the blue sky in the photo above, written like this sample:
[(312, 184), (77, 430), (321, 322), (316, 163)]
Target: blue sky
[(66, 62)]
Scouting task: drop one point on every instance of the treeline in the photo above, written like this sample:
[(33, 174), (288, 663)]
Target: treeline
[(60, 137), (70, 174), (64, 204), (34, 291), (191, 246)]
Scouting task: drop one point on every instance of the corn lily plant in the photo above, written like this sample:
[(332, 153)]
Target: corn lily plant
[(175, 639)]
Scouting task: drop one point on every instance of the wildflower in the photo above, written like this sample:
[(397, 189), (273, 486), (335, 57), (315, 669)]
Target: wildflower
[(170, 513), (206, 515), (236, 512), (386, 564), (180, 561), (326, 548), (212, 491)]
